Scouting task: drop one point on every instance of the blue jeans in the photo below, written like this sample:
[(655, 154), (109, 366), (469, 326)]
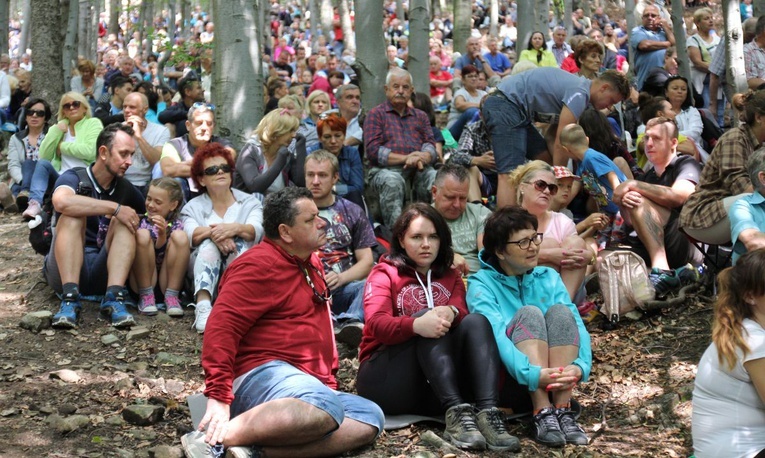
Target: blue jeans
[(44, 177), (464, 119), (512, 133), (348, 301), (280, 380), (27, 171)]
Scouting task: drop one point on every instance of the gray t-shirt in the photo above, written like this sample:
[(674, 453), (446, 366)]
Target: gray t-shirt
[(543, 92), (465, 232), (139, 172)]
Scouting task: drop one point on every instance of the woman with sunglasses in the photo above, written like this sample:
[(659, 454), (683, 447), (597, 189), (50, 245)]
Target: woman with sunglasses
[(221, 223), (70, 143), (421, 352), (562, 248), (543, 343), (24, 149)]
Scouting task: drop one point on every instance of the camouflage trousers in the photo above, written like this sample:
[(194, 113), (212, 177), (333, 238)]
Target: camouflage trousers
[(395, 185), (207, 264)]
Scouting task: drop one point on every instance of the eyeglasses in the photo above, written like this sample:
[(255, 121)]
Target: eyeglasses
[(318, 298), (213, 170), (541, 185), (203, 106), (36, 113), (329, 113), (525, 244), (71, 105)]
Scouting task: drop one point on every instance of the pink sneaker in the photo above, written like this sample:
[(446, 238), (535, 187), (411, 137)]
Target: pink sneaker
[(33, 209), (147, 304), (174, 307)]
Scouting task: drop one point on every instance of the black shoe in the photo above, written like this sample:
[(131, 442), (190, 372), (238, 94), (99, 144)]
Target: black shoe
[(349, 332), (547, 429), (571, 430)]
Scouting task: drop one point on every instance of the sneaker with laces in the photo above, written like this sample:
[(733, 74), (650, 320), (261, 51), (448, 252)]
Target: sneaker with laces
[(68, 313), (349, 332), (491, 423), (147, 305), (573, 433), (114, 308), (202, 313), (462, 428), (173, 305), (664, 281), (688, 274), (33, 209), (194, 446), (22, 200), (547, 429)]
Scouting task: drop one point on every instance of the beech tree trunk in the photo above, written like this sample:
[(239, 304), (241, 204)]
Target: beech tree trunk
[(237, 77), (371, 64), (494, 18), (148, 48), (48, 77), (629, 15), (419, 18), (83, 45), (5, 10), (142, 27), (345, 21), (585, 5), (25, 27), (542, 10), (185, 19), (315, 19), (114, 17), (69, 56), (758, 8), (525, 25), (93, 30), (684, 67), (735, 78), (400, 14), (168, 43), (462, 25), (568, 11), (326, 20)]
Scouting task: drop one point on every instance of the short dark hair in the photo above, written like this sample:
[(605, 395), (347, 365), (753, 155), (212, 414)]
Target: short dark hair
[(445, 256), (688, 90), (118, 81), (618, 81), (500, 225), (34, 101), (106, 137), (186, 82), (450, 169), (280, 208)]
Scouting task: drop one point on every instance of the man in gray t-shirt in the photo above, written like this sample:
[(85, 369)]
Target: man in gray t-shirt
[(543, 95), (149, 139)]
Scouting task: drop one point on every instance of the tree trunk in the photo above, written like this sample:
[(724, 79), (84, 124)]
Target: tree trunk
[(435, 6), (326, 20), (315, 18), (142, 27), (149, 47), (400, 14), (758, 8), (542, 10), (48, 77), (83, 45), (25, 27), (629, 15), (371, 63), (494, 18), (114, 17), (69, 55), (419, 50), (5, 10), (462, 25), (237, 76), (345, 21), (684, 67), (525, 25), (568, 11), (169, 42), (185, 19), (735, 78), (93, 31), (585, 5)]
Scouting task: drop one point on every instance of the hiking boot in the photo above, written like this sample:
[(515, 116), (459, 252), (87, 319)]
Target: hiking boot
[(147, 305), (194, 446), (22, 200), (33, 209), (688, 274), (68, 313), (573, 433), (173, 306), (491, 423), (349, 332), (114, 308), (664, 281), (202, 312), (462, 428), (547, 429)]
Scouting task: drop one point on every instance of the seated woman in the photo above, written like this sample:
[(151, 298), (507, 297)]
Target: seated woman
[(421, 352), (265, 164), (536, 52), (466, 101), (542, 341), (24, 149), (316, 104), (589, 58), (688, 119), (729, 393), (87, 83), (562, 249), (70, 143), (222, 223), (724, 178), (331, 129)]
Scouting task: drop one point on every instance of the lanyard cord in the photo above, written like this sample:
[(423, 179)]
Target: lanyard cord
[(428, 291)]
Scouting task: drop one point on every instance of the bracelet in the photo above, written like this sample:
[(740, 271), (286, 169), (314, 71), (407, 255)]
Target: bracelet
[(119, 206)]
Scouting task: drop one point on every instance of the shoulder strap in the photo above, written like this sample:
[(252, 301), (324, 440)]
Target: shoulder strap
[(85, 186)]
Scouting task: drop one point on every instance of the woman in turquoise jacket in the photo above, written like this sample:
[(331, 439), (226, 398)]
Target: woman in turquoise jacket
[(542, 341)]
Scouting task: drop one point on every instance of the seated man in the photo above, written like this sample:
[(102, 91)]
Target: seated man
[(400, 147), (747, 214), (176, 156), (110, 112), (349, 104), (94, 240), (652, 206), (269, 355), (465, 220), (149, 139), (347, 255), (175, 116)]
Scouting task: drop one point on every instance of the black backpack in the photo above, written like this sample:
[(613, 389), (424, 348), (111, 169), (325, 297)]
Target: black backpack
[(41, 235)]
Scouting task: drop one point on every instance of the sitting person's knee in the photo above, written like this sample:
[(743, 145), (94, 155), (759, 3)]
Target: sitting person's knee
[(143, 238), (179, 238), (574, 242)]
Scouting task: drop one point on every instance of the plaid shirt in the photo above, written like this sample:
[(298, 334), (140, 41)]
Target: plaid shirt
[(724, 175), (717, 66), (754, 60), (474, 142), (385, 132)]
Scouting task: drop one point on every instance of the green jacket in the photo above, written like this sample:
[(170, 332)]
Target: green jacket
[(83, 147)]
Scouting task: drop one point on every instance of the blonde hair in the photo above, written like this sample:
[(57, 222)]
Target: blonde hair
[(701, 12), (573, 135), (294, 100), (313, 96), (521, 174), (74, 96), (274, 125)]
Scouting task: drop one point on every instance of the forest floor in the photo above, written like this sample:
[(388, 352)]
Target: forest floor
[(63, 393)]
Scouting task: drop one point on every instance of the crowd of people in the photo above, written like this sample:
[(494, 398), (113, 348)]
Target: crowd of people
[(446, 235)]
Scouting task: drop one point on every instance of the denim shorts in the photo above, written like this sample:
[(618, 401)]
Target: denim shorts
[(93, 273), (280, 380), (513, 135)]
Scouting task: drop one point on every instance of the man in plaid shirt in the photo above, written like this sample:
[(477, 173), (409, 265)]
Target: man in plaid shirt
[(754, 57)]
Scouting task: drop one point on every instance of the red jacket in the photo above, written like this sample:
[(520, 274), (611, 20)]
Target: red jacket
[(265, 311), (390, 300)]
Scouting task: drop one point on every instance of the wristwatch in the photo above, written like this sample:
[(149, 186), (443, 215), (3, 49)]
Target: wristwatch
[(455, 310)]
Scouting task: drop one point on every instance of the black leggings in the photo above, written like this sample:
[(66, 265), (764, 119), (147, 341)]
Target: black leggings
[(427, 376)]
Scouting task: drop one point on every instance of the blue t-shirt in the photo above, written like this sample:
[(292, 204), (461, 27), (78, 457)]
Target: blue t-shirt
[(465, 60), (498, 63), (646, 60), (594, 168)]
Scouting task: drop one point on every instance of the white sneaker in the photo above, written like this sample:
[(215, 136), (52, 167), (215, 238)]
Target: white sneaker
[(202, 312), (194, 446)]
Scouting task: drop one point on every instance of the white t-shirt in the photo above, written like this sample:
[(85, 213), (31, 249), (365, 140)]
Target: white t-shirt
[(728, 414), (139, 172), (453, 113), (67, 161)]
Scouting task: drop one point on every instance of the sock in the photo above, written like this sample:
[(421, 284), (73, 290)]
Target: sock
[(565, 405), (145, 291), (71, 290), (115, 290), (171, 292)]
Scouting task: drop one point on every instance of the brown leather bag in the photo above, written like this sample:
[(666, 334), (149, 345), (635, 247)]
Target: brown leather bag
[(624, 283)]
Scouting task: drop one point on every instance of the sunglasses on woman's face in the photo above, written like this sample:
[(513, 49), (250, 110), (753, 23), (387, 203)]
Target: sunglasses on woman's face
[(71, 105), (36, 113), (541, 185), (213, 170)]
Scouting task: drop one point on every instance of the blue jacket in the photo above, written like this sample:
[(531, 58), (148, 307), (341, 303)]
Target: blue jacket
[(498, 297), (351, 169)]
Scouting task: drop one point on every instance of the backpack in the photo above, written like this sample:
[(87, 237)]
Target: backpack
[(624, 284), (41, 232)]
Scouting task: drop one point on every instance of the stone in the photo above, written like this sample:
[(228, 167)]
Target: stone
[(67, 425), (67, 409), (138, 366), (143, 415), (9, 412), (166, 451), (174, 387), (143, 434), (121, 453), (109, 339), (114, 420), (164, 358), (66, 375), (126, 383), (37, 321), (138, 332)]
